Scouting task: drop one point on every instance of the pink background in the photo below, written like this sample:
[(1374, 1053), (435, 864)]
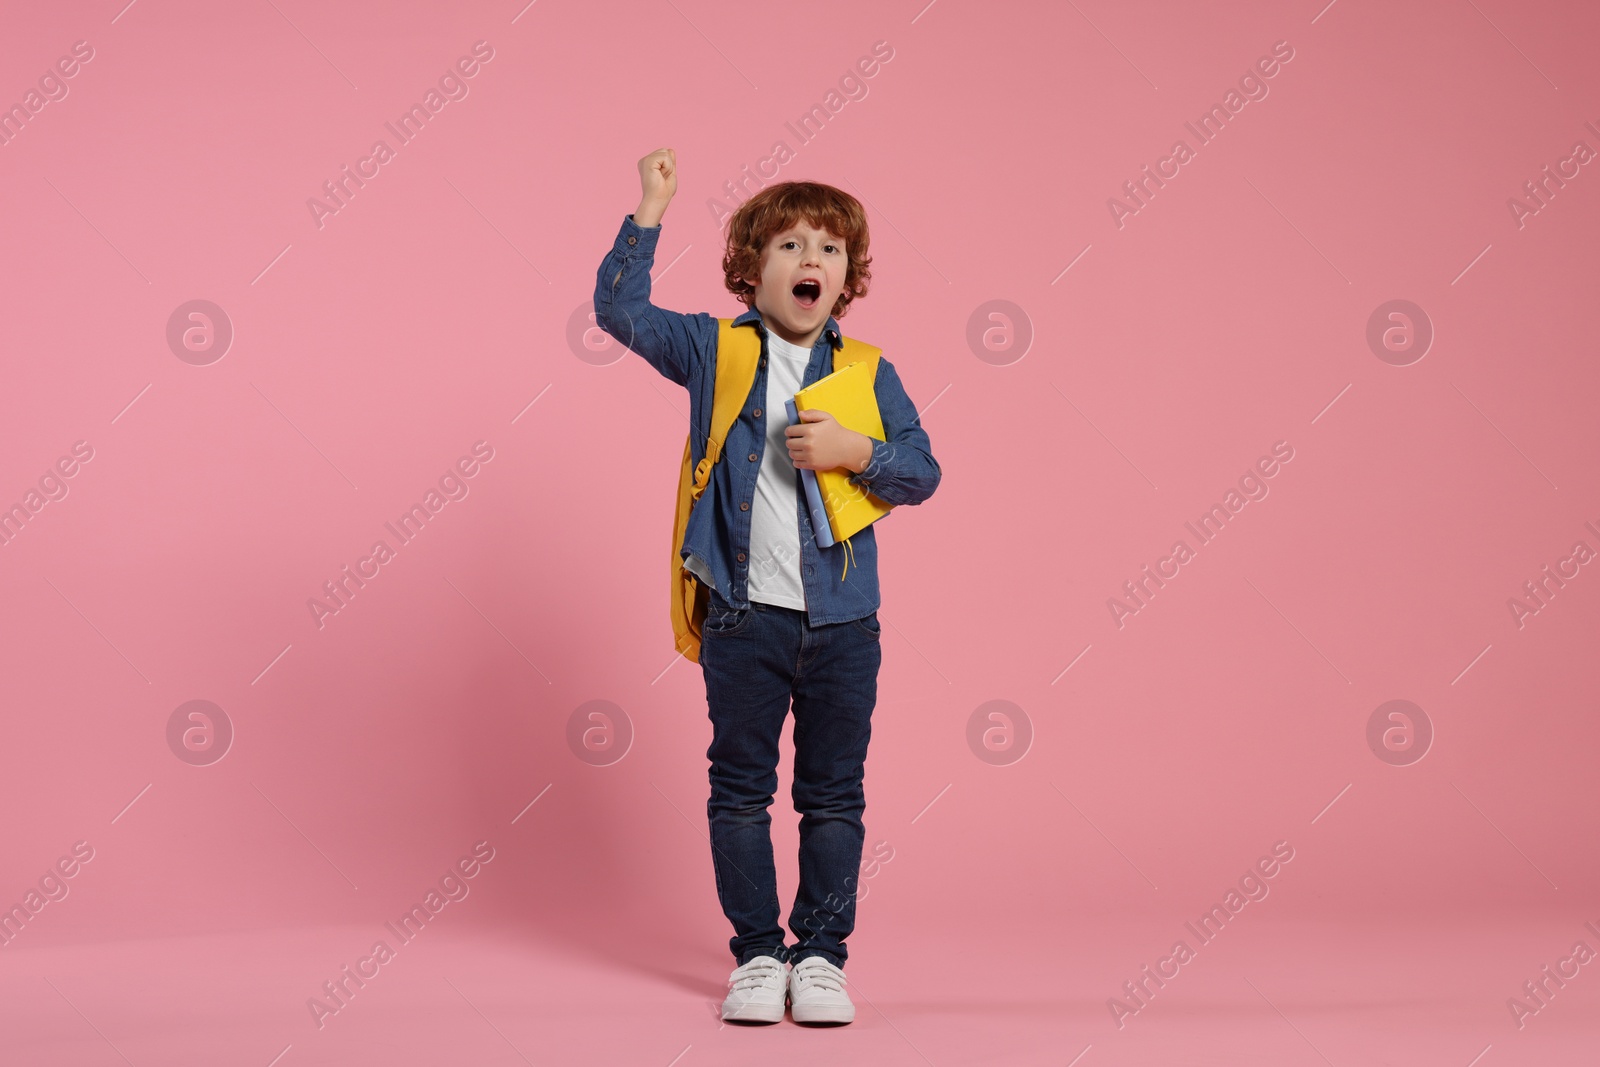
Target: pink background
[(438, 304)]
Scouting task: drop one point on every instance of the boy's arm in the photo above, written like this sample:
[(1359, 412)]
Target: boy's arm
[(902, 469), (669, 341)]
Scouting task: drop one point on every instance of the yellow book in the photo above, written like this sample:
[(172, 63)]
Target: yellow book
[(848, 396)]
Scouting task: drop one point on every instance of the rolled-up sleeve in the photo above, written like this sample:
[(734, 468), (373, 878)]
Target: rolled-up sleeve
[(902, 470), (668, 340)]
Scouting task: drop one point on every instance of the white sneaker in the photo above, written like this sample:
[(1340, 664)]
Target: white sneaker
[(816, 993), (756, 992)]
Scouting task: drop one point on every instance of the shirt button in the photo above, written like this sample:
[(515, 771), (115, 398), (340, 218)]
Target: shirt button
[(758, 413), (741, 557), (633, 240), (752, 457), (763, 361), (744, 505)]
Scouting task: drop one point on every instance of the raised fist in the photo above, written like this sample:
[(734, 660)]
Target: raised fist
[(658, 175)]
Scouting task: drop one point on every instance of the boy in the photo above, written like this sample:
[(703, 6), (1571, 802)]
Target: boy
[(786, 618)]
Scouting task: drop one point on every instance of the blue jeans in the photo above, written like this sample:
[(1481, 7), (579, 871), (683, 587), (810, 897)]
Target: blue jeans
[(755, 660)]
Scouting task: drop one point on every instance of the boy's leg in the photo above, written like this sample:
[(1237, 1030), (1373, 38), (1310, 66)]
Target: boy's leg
[(748, 660), (835, 691)]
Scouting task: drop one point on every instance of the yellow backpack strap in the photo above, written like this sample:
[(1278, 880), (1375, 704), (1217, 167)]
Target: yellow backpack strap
[(853, 351), (738, 352)]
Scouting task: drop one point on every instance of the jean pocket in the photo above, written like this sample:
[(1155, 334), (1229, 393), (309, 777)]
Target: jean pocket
[(726, 622), (869, 623)]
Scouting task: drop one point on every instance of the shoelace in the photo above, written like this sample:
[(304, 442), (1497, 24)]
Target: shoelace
[(821, 974), (754, 974)]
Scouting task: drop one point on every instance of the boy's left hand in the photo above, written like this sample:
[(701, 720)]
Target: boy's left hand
[(819, 443)]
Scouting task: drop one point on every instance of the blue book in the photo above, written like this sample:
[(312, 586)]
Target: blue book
[(808, 478)]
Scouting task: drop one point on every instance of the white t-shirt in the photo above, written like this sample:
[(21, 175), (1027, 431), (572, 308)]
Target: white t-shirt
[(775, 512)]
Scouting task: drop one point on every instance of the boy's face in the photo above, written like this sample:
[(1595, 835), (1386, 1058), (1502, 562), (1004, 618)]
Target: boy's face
[(802, 274)]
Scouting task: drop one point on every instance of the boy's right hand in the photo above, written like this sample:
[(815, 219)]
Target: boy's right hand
[(658, 176)]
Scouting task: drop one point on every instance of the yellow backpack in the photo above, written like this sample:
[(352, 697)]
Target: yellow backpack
[(738, 351)]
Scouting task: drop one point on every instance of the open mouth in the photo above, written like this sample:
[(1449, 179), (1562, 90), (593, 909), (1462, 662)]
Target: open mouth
[(807, 293)]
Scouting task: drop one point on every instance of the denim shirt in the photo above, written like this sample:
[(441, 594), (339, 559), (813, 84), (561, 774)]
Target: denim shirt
[(683, 348)]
